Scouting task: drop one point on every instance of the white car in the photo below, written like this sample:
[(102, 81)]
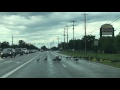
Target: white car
[(25, 50)]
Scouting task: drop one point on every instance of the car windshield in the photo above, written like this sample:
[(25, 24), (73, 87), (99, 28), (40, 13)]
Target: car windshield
[(60, 44), (17, 49), (6, 50), (24, 49)]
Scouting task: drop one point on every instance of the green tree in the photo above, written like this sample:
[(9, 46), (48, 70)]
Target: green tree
[(43, 47), (89, 41), (117, 43), (106, 44), (5, 44), (21, 43)]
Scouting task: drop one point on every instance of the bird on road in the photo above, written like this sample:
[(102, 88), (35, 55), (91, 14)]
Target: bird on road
[(38, 59), (45, 58)]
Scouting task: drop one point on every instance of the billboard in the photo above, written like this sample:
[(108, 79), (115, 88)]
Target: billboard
[(107, 29)]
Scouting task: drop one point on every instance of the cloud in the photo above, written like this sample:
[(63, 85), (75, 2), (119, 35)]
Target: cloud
[(44, 27)]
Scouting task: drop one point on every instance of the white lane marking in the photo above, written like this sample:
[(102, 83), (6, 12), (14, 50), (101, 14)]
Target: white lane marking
[(11, 72), (12, 61), (64, 65)]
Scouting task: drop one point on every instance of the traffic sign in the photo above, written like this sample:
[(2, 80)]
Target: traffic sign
[(96, 42)]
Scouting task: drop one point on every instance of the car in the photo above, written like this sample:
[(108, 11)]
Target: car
[(19, 51), (8, 52), (0, 50), (25, 50), (42, 50), (31, 51)]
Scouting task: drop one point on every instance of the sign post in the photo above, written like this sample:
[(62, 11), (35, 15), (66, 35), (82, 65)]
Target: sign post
[(96, 45)]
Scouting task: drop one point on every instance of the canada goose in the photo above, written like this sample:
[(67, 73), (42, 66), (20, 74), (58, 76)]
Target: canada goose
[(38, 59), (67, 57), (70, 57), (45, 58), (76, 59), (54, 59)]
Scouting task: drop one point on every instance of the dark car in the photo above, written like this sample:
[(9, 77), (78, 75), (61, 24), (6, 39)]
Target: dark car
[(19, 51), (30, 50), (8, 52), (0, 50)]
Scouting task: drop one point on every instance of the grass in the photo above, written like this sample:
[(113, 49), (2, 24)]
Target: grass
[(107, 57)]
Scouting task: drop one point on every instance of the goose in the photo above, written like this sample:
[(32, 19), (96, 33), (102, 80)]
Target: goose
[(45, 58), (38, 59)]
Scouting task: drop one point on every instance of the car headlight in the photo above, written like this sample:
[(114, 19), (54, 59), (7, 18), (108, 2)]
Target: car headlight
[(10, 53), (1, 53)]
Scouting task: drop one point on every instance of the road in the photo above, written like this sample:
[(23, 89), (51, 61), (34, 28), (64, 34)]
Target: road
[(27, 66)]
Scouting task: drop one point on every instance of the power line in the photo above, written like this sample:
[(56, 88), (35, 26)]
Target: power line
[(112, 21), (115, 19)]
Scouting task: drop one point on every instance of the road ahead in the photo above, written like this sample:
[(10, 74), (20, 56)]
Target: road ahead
[(27, 66)]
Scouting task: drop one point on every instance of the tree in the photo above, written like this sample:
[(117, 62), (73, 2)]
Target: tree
[(89, 41), (5, 44), (106, 44), (43, 47), (14, 46), (21, 43), (71, 44), (117, 43), (63, 45), (54, 48)]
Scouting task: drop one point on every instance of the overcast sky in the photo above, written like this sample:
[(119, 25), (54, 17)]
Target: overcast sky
[(45, 27)]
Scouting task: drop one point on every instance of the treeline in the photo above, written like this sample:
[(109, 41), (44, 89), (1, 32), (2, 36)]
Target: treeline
[(106, 44), (22, 44)]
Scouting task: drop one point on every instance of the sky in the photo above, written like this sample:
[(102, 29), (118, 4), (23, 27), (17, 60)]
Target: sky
[(43, 28)]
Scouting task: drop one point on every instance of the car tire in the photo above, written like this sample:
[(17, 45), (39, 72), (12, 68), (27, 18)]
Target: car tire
[(14, 55)]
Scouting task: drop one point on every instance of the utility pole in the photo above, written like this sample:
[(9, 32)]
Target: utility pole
[(17, 40), (12, 40), (85, 30), (67, 38), (58, 41), (73, 28), (0, 44), (64, 38), (73, 34)]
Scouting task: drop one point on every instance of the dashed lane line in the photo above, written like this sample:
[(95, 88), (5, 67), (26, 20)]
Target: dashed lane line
[(64, 65)]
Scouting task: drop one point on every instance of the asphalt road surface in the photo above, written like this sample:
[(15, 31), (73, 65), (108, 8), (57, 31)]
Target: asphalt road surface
[(35, 66)]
